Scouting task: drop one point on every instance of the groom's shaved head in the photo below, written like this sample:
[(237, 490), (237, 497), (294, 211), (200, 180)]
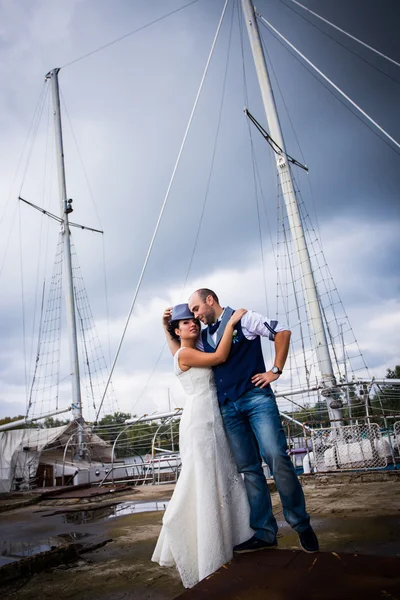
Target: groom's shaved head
[(204, 304), (204, 293)]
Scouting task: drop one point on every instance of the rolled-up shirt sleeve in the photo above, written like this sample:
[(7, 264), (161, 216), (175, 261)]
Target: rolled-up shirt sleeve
[(254, 324)]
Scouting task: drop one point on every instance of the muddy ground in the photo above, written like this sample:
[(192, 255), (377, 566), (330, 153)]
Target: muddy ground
[(351, 513)]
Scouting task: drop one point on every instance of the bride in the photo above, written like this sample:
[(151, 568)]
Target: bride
[(208, 513)]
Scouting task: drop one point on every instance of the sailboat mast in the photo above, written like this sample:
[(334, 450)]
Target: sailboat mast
[(295, 223), (65, 207)]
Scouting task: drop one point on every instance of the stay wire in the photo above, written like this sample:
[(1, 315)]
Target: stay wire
[(270, 154), (10, 232), (271, 66), (126, 35), (374, 131), (177, 162), (23, 306), (28, 138), (202, 211), (254, 162), (371, 48), (261, 195), (46, 237), (257, 173), (339, 43), (216, 139), (35, 131), (80, 158), (105, 282)]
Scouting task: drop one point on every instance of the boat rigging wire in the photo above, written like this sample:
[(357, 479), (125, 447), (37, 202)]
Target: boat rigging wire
[(91, 195), (383, 131), (23, 305), (255, 172), (345, 33), (216, 139), (275, 147), (37, 351), (211, 171), (41, 238), (164, 202), (126, 35), (10, 232), (367, 62), (65, 109), (324, 280), (257, 180), (33, 127), (309, 179)]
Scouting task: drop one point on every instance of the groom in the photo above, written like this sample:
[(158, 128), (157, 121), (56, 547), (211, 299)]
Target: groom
[(251, 418)]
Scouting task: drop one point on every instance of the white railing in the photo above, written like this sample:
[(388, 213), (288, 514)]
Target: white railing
[(349, 447)]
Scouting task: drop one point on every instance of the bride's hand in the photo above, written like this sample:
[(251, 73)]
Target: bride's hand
[(167, 316), (237, 315)]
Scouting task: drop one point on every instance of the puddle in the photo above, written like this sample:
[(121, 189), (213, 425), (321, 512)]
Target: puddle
[(80, 517), (13, 551)]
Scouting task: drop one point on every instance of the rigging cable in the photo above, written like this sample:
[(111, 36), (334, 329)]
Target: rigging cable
[(164, 201), (271, 67), (91, 195), (80, 158), (214, 149), (367, 62), (257, 173), (32, 133), (34, 129), (319, 239), (46, 237), (385, 133), (346, 33), (37, 351), (254, 166), (23, 305), (37, 111), (122, 37), (211, 171)]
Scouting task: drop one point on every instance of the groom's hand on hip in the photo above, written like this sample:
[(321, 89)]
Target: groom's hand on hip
[(261, 380)]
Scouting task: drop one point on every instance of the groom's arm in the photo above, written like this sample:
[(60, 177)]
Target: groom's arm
[(253, 325)]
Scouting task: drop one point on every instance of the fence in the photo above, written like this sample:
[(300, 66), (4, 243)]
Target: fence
[(349, 447)]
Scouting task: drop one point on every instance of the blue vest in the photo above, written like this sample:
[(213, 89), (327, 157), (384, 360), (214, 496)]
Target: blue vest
[(233, 378)]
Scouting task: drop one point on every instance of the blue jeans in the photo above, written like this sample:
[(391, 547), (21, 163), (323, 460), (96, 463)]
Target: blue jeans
[(254, 430)]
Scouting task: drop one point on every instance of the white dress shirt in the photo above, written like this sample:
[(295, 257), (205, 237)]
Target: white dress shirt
[(253, 324)]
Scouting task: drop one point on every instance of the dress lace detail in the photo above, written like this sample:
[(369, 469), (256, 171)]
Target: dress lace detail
[(209, 512)]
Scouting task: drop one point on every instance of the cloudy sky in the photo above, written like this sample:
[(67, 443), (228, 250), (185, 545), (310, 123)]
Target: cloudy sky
[(125, 110)]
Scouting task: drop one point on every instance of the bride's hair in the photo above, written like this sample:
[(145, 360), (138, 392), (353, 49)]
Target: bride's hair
[(172, 325)]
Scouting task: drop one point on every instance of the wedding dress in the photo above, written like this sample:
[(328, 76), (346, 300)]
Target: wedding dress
[(208, 513)]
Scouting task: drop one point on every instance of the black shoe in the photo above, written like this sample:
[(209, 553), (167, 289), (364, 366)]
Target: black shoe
[(253, 545), (308, 540)]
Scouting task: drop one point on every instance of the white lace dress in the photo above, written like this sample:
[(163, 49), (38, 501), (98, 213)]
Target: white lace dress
[(208, 513)]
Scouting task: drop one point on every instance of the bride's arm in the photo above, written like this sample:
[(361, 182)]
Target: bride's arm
[(189, 357), (172, 342)]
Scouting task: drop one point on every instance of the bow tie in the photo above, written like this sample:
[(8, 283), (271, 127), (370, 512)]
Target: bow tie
[(213, 328)]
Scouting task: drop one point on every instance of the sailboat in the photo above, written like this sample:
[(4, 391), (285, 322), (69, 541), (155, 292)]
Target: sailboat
[(327, 384), (71, 453)]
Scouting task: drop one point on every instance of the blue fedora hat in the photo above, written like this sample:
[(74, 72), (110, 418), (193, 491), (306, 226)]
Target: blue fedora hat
[(181, 311)]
